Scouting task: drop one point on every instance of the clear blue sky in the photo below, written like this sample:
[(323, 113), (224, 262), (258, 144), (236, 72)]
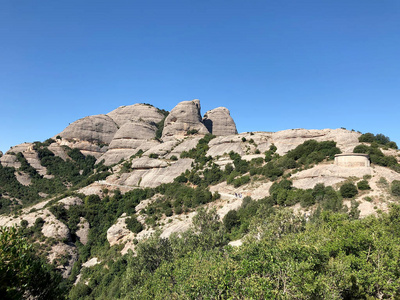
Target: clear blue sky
[(275, 64)]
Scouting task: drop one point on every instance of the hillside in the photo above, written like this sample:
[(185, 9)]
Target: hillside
[(140, 186)]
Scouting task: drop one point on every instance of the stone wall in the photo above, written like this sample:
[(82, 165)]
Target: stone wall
[(352, 160)]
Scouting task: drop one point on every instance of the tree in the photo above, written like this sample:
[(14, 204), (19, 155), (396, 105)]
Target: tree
[(231, 220), (22, 273), (367, 138), (348, 190)]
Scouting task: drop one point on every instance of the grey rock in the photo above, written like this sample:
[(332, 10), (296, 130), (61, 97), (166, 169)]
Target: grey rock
[(183, 118), (161, 149), (10, 160), (23, 178), (138, 130), (148, 163), (185, 145), (99, 129), (125, 148), (155, 176), (83, 232), (219, 122), (136, 112), (86, 147)]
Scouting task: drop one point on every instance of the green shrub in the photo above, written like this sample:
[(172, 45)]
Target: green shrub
[(395, 187), (363, 185), (133, 224), (348, 190), (231, 220)]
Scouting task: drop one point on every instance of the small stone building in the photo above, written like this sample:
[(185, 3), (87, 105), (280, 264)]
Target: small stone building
[(352, 160)]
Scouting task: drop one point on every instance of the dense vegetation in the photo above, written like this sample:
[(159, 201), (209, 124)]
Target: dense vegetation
[(379, 139), (377, 157), (76, 171), (24, 274), (332, 256)]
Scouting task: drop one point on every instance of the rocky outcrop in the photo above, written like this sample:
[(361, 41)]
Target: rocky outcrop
[(289, 139), (86, 147), (10, 160), (218, 121), (136, 112), (328, 174), (132, 136), (61, 250), (83, 232), (183, 120), (99, 129), (151, 174), (148, 163), (71, 201), (137, 131)]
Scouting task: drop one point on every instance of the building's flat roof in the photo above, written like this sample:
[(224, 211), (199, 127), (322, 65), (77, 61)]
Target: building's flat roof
[(352, 154)]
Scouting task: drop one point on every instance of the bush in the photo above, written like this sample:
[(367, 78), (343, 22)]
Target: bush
[(231, 220), (348, 190), (133, 224), (395, 187), (363, 185), (367, 138)]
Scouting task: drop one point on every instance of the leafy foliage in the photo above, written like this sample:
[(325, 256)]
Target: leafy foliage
[(22, 273), (377, 156), (348, 190), (380, 139), (395, 187), (363, 185)]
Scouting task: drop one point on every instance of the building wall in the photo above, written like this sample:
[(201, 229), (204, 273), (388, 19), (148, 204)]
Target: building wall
[(352, 161)]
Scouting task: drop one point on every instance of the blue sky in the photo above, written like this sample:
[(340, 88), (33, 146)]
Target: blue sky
[(275, 64)]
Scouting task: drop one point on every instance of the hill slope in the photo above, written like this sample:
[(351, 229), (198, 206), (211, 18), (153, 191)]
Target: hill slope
[(107, 183)]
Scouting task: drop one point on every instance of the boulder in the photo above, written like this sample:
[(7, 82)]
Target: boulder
[(136, 112), (99, 129), (218, 121), (183, 120)]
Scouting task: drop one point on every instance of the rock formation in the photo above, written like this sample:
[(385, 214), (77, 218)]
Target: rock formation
[(183, 120), (219, 122), (132, 136), (136, 112), (99, 129)]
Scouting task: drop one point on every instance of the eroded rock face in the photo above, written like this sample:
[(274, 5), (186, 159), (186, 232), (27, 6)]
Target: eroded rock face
[(289, 139), (97, 129), (10, 160), (219, 122), (136, 112), (137, 131), (184, 118), (132, 136), (152, 173), (83, 232)]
